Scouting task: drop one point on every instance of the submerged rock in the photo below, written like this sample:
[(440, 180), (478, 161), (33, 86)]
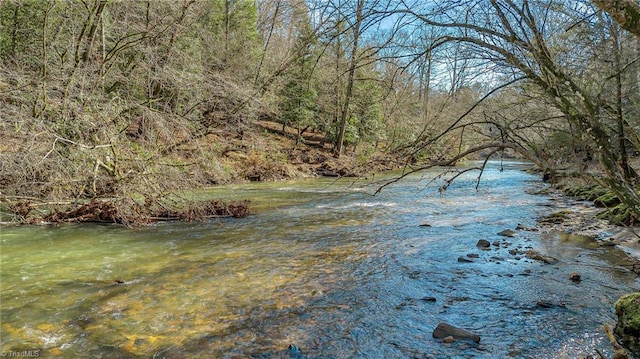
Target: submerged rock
[(444, 330), (549, 304), (628, 326), (533, 254), (507, 233), (294, 351)]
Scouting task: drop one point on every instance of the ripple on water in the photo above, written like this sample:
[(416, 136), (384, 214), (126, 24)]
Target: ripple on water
[(332, 270)]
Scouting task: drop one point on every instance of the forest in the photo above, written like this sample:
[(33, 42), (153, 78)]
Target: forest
[(125, 100)]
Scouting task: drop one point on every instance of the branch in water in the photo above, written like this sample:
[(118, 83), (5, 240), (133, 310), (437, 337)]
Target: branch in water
[(496, 146)]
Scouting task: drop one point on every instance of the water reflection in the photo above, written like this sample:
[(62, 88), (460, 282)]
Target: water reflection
[(324, 266)]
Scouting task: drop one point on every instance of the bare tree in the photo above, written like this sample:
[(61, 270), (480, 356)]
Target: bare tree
[(625, 12), (516, 37)]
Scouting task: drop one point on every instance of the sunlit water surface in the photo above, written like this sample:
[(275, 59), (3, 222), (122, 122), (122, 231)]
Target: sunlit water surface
[(324, 266)]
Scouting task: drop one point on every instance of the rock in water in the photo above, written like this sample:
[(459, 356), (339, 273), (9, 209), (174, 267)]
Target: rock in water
[(628, 326), (575, 277), (444, 330), (294, 352), (533, 254), (549, 304), (507, 233), (483, 243)]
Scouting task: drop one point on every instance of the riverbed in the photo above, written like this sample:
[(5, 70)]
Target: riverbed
[(323, 269)]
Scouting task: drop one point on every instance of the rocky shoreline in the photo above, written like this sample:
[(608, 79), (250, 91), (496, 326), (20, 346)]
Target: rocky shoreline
[(579, 217), (570, 215)]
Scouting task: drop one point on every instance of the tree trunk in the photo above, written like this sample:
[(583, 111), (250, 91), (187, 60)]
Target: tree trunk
[(344, 114), (624, 160), (95, 22), (624, 12)]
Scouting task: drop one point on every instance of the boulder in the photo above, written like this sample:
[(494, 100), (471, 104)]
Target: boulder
[(444, 330), (628, 326), (483, 243)]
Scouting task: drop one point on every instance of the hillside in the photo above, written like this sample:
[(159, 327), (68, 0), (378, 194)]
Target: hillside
[(37, 187)]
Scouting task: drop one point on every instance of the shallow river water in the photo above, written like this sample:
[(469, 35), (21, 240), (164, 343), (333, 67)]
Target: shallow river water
[(324, 269)]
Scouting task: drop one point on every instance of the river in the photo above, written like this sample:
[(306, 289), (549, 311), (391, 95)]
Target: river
[(324, 269)]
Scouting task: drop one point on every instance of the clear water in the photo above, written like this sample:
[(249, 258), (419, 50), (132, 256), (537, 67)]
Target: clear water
[(324, 266)]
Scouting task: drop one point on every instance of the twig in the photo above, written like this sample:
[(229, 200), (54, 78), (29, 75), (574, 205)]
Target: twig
[(53, 146)]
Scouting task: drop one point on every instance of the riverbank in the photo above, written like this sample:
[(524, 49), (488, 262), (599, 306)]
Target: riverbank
[(118, 190), (579, 217)]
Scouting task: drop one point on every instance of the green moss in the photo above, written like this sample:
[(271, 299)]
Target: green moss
[(608, 199), (616, 213), (586, 193), (628, 311), (619, 215), (560, 214), (628, 327)]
